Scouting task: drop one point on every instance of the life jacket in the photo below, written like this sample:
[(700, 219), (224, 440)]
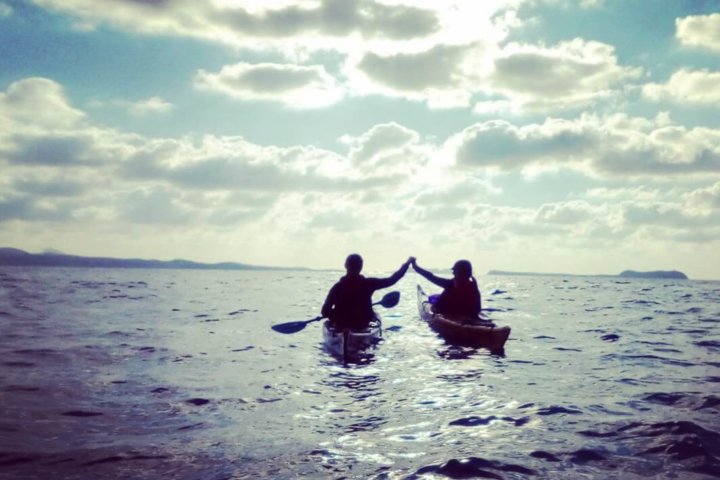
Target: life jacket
[(461, 300)]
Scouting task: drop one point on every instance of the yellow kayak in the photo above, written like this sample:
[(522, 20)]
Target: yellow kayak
[(473, 332)]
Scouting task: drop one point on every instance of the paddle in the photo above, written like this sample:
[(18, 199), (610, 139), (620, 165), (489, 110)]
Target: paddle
[(388, 301)]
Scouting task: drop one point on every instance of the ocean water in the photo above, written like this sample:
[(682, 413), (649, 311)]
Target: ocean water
[(145, 374)]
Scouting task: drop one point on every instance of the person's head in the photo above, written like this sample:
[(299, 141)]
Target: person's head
[(353, 263), (462, 269)]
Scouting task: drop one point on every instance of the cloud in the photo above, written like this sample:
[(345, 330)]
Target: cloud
[(462, 190), (387, 149), (496, 107), (155, 206), (340, 220), (237, 24), (579, 223), (295, 86), (687, 86), (327, 18), (636, 194), (498, 143), (442, 75), (52, 149), (113, 175), (379, 139), (442, 55), (612, 146), (591, 225), (54, 187), (568, 75), (568, 213), (667, 215), (40, 102), (386, 185), (516, 76), (699, 31), (704, 199), (233, 164), (143, 108), (25, 207), (441, 214), (422, 51)]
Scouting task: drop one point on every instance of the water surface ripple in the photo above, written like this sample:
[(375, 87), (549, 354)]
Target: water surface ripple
[(150, 374)]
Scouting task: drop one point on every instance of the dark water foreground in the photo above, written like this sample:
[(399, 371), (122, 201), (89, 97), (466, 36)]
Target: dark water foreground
[(145, 374)]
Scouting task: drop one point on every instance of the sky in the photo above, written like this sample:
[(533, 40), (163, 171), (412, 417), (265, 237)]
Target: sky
[(572, 136)]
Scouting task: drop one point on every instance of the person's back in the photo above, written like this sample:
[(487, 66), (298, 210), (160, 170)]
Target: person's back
[(460, 299), (349, 302), (460, 296), (352, 300)]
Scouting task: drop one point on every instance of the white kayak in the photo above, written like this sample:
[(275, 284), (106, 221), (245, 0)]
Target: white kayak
[(346, 344)]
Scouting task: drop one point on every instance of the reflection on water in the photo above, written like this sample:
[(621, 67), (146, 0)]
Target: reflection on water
[(152, 374)]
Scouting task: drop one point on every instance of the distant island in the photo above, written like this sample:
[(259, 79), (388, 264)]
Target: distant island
[(53, 258), (672, 274), (666, 274)]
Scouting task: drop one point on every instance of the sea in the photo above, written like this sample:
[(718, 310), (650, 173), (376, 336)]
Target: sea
[(176, 374)]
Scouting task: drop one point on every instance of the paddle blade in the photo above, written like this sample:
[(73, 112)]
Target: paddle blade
[(390, 300), (293, 327), (290, 327)]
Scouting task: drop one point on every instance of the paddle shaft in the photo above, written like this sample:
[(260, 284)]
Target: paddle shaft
[(389, 300), (320, 317)]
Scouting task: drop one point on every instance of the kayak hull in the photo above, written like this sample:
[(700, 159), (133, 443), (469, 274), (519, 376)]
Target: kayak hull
[(346, 343), (463, 332)]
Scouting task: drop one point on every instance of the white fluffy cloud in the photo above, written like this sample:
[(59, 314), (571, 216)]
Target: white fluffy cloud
[(699, 31), (243, 22), (40, 102), (294, 86), (56, 164), (614, 146), (443, 54), (687, 86), (389, 186), (704, 199), (150, 106), (570, 74), (443, 75), (388, 149)]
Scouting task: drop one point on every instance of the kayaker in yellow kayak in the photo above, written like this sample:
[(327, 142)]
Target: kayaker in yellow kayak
[(349, 302), (460, 296)]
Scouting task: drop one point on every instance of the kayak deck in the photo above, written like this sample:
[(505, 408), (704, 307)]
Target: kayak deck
[(465, 332), (346, 343)]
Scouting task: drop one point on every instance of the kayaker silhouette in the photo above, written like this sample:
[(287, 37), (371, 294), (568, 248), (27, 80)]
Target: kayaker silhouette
[(460, 296), (349, 302)]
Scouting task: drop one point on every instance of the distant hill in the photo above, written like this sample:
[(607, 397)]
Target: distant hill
[(673, 274), (668, 274), (17, 257)]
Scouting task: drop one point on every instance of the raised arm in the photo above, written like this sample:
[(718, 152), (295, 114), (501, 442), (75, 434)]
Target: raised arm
[(394, 278), (440, 282)]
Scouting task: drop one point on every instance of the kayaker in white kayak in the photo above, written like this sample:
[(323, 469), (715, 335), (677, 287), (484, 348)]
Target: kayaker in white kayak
[(460, 296), (349, 302)]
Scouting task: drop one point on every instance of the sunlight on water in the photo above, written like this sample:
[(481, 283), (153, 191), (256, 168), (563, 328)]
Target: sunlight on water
[(150, 373)]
